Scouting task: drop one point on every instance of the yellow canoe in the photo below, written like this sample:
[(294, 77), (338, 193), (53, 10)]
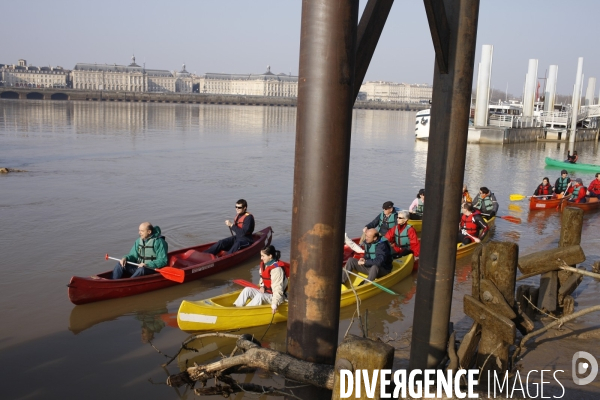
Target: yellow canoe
[(219, 314), (416, 223)]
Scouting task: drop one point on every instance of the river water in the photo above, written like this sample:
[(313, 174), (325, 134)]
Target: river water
[(96, 170)]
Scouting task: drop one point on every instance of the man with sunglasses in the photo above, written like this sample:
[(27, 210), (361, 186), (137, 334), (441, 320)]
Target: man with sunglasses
[(241, 229), (385, 220)]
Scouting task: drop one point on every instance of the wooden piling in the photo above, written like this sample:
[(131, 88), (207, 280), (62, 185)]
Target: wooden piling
[(570, 235), (356, 353)]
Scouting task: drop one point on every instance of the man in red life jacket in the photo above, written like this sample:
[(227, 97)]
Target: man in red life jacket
[(593, 189), (403, 237), (576, 192), (241, 228), (472, 226), (544, 189)]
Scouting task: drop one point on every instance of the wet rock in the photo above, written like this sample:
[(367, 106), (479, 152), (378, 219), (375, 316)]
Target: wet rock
[(4, 170)]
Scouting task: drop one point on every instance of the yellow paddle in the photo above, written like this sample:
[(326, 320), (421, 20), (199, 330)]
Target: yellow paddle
[(519, 197)]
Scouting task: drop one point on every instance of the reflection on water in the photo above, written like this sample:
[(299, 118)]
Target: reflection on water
[(98, 169)]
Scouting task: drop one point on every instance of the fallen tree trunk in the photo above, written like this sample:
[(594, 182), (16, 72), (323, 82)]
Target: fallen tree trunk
[(255, 356)]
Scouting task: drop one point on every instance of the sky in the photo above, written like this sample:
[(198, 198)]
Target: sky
[(243, 36)]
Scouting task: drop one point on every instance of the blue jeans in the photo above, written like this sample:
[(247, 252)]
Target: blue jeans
[(130, 270), (230, 245)]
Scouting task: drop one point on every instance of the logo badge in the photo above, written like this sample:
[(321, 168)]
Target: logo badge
[(590, 365)]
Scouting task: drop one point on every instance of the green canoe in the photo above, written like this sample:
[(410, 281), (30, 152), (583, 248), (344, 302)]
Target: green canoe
[(570, 167)]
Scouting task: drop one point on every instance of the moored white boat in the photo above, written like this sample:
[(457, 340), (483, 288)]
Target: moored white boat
[(422, 124)]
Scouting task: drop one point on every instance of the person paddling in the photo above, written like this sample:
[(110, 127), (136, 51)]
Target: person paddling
[(149, 251), (472, 227), (572, 158), (562, 183), (242, 228), (273, 282), (486, 202), (544, 189), (576, 193)]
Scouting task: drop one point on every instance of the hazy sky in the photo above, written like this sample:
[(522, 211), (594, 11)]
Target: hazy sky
[(245, 36)]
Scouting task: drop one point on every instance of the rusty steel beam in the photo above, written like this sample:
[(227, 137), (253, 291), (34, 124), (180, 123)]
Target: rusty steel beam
[(323, 128), (444, 178), (440, 32), (370, 27)]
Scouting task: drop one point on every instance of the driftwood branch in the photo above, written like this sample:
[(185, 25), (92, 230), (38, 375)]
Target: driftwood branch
[(231, 386), (255, 356), (581, 271), (196, 337), (558, 322)]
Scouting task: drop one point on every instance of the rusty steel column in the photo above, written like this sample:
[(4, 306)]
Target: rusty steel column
[(444, 178), (323, 127)]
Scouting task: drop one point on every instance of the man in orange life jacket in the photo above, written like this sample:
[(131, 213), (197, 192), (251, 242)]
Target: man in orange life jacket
[(241, 228), (377, 260), (576, 193), (403, 237), (472, 226)]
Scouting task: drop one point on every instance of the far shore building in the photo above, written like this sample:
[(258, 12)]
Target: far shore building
[(265, 84), (23, 75), (130, 78), (396, 92)]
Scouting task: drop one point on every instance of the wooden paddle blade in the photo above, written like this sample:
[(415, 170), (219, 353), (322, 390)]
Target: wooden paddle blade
[(517, 197), (245, 283), (508, 218), (172, 274)]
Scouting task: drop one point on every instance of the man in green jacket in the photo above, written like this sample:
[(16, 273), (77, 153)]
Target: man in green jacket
[(149, 251)]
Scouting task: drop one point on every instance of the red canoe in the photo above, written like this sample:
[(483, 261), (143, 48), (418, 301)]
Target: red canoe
[(536, 203), (592, 204), (192, 260)]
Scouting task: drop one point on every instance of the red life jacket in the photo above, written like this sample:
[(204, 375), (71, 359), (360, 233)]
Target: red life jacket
[(239, 220), (468, 223), (544, 190), (265, 274)]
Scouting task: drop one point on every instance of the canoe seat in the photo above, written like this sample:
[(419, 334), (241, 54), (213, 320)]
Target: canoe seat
[(189, 258)]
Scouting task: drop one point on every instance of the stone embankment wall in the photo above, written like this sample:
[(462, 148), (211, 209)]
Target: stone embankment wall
[(193, 98), (498, 135)]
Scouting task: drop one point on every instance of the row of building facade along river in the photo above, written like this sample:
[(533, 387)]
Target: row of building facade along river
[(139, 79)]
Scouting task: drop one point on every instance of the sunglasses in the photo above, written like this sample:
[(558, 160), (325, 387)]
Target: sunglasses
[(238, 207)]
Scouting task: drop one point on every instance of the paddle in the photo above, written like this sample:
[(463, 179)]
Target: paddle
[(514, 220), (245, 283), (375, 284), (170, 273), (519, 197)]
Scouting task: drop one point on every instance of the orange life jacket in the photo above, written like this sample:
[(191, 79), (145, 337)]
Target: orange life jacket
[(239, 221)]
